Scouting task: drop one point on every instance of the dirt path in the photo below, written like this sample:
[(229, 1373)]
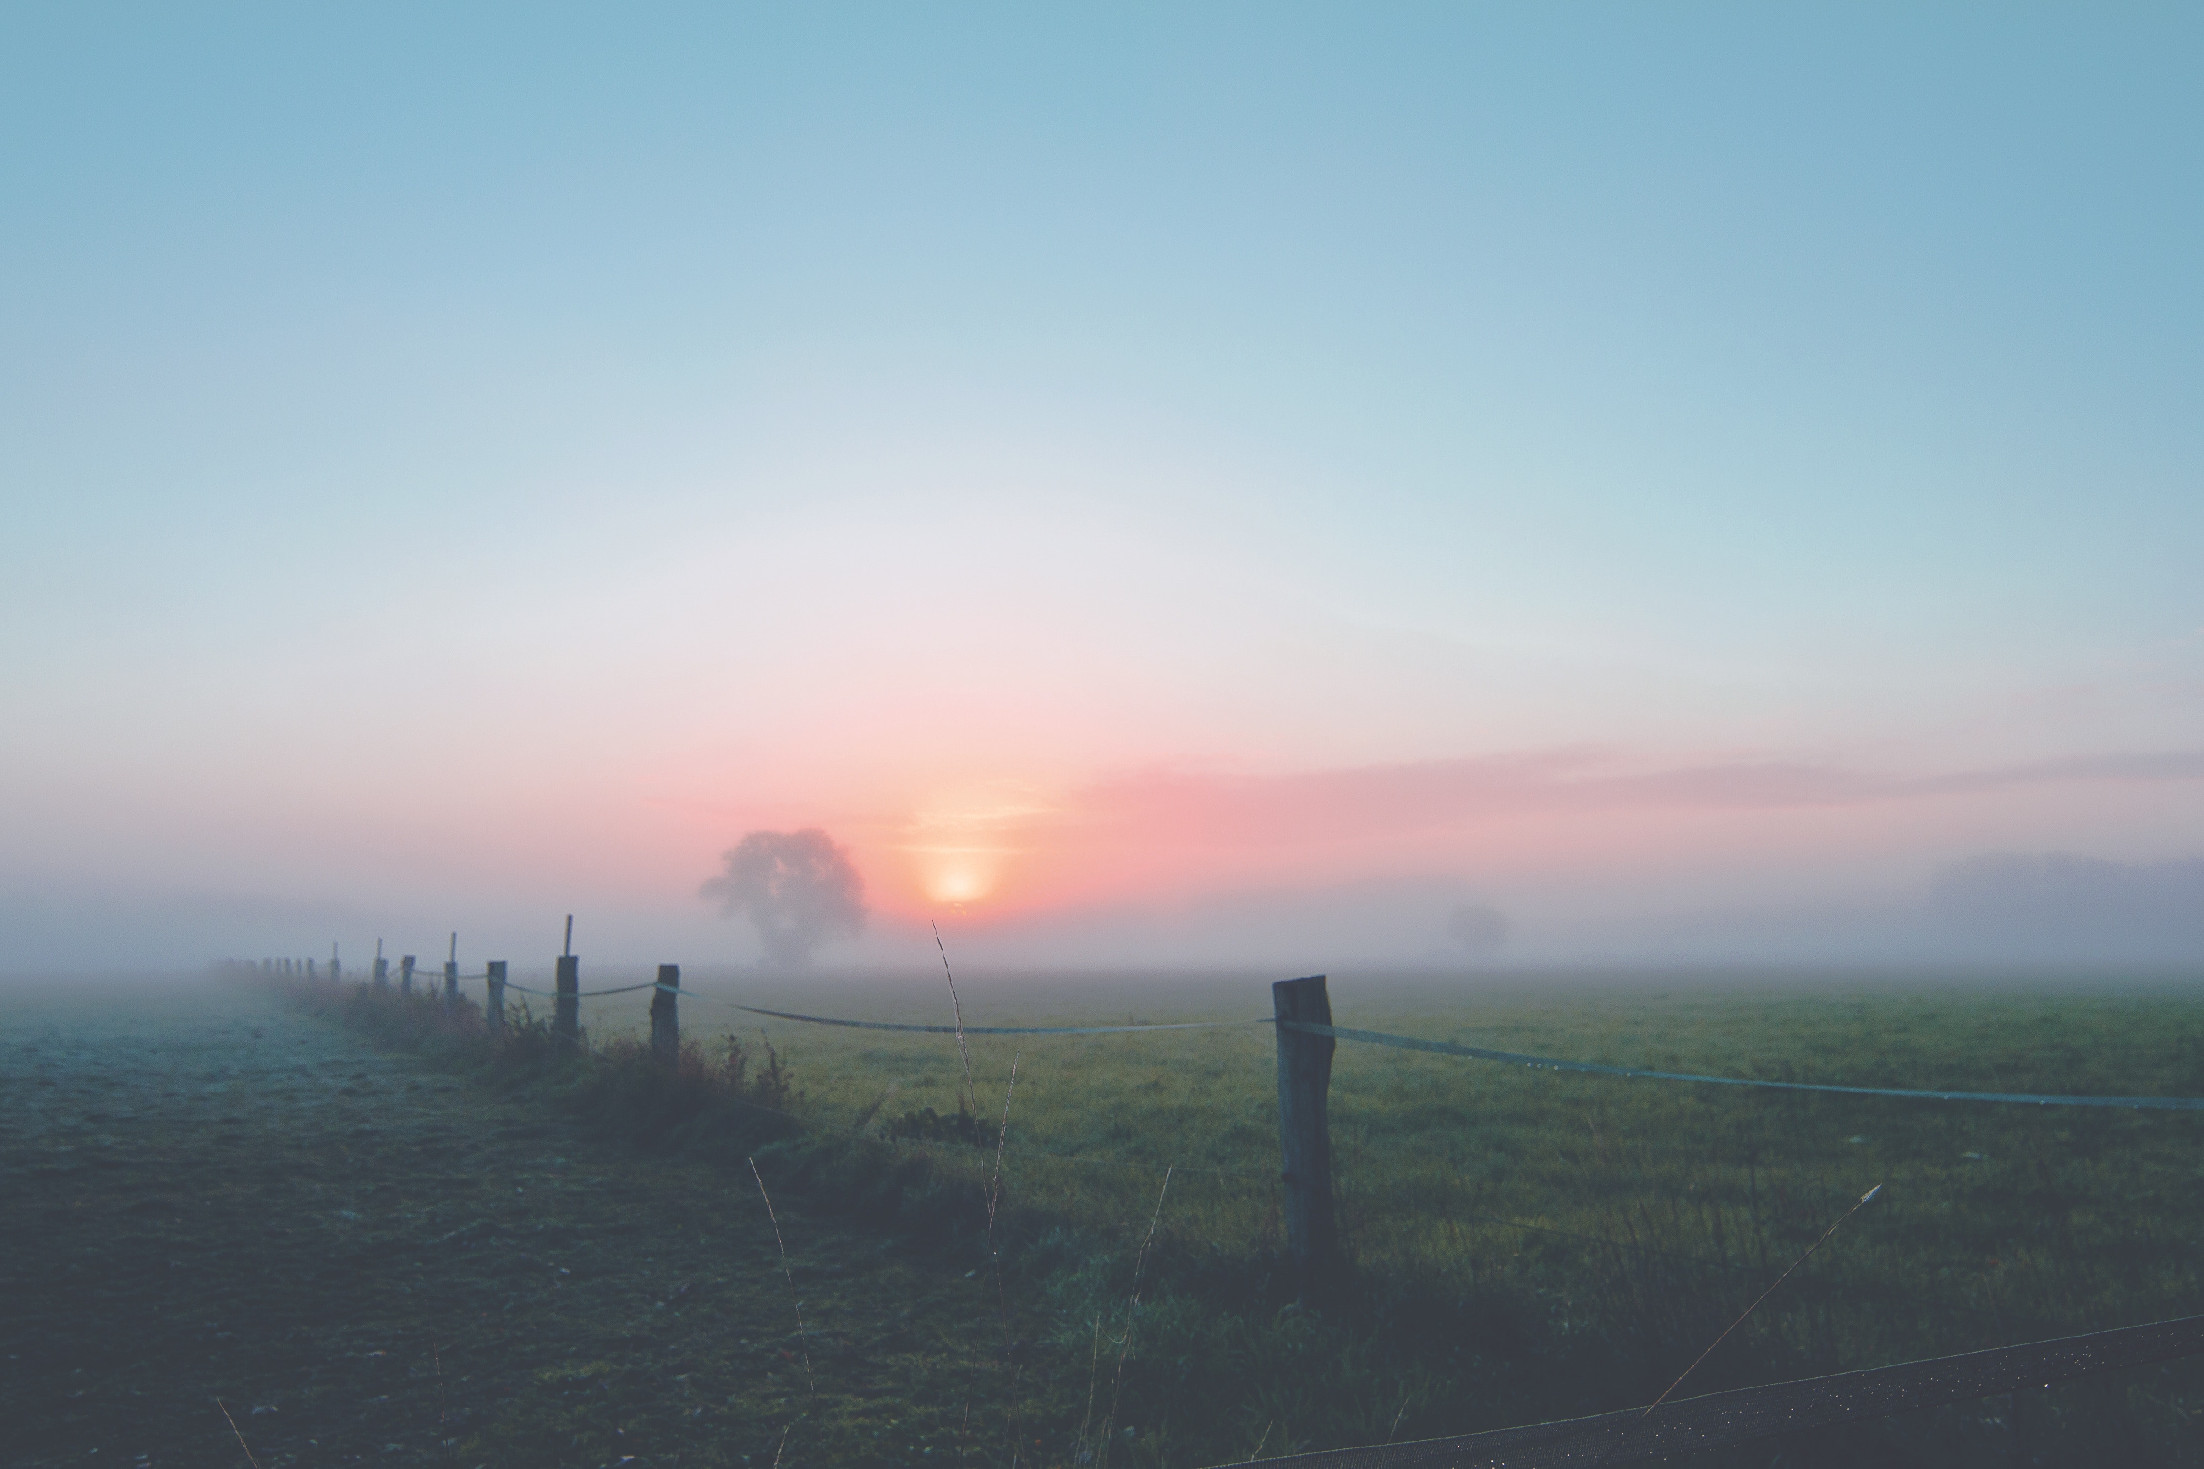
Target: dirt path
[(205, 1196)]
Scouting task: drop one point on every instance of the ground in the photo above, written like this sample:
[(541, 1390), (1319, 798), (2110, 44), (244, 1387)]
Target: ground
[(211, 1200), (214, 1205)]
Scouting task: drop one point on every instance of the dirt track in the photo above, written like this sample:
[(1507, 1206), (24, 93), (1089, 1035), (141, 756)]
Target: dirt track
[(204, 1196)]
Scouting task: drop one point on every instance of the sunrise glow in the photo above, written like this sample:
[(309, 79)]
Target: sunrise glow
[(1149, 492), (958, 880)]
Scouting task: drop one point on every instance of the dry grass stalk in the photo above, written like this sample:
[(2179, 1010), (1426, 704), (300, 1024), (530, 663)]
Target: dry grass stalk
[(1132, 1311), (1094, 1376), (956, 1010), (803, 1342), (995, 1262), (240, 1437), (1862, 1203)]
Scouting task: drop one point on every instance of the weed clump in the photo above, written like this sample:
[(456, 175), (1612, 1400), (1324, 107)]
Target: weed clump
[(735, 1097), (925, 1125)]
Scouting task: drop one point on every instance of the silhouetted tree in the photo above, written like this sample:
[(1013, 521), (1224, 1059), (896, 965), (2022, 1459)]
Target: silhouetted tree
[(798, 887), (1479, 929)]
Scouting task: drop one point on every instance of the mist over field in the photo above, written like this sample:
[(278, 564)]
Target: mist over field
[(2037, 911)]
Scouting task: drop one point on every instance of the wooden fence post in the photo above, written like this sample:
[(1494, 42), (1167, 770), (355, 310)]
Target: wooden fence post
[(382, 972), (451, 976), (493, 1004), (1304, 1132), (665, 1015), (566, 1008), (405, 974)]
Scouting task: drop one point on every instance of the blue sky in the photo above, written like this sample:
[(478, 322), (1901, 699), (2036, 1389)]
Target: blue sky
[(417, 420)]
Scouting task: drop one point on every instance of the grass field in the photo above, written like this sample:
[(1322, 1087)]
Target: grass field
[(1529, 1244), (1604, 1231), (207, 1196)]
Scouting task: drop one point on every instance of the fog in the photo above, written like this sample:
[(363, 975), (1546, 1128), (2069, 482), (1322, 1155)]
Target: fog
[(2018, 910)]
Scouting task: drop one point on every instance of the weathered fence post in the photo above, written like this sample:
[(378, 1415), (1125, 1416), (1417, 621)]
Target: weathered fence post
[(665, 1015), (336, 966), (566, 1008), (451, 977), (382, 967), (1304, 1131), (405, 974), (493, 1004)]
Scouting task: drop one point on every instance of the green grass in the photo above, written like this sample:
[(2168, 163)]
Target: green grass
[(1533, 1244), (1528, 1245), (397, 1257)]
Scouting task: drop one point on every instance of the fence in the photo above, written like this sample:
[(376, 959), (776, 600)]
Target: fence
[(1306, 1042)]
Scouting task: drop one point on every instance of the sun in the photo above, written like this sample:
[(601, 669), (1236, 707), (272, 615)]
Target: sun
[(958, 882), (961, 844)]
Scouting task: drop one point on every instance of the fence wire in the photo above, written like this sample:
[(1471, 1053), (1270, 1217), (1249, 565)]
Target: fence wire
[(1685, 1426), (1406, 1043), (1593, 1068), (1716, 1420)]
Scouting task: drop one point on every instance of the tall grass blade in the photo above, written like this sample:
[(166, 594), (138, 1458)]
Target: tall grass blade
[(803, 1342)]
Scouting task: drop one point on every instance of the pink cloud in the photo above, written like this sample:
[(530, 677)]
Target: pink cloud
[(1160, 831), (1450, 793)]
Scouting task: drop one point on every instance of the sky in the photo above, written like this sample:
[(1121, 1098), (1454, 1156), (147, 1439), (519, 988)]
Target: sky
[(1275, 484)]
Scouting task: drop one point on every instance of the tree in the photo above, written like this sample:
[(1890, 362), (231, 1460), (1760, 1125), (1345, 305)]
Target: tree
[(1479, 929), (798, 887)]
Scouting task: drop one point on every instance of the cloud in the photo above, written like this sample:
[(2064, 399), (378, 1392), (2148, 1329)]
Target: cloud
[(1303, 927), (2020, 910), (2059, 905), (1439, 794)]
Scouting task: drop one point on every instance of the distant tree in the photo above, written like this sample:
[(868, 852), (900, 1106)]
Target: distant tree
[(798, 887), (1479, 929)]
